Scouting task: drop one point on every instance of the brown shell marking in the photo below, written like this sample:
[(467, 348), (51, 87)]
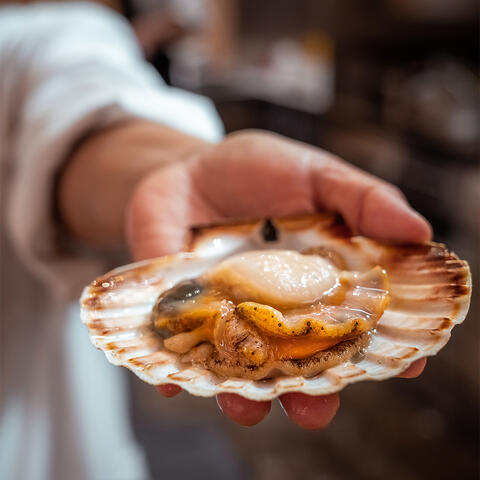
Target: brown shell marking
[(128, 278)]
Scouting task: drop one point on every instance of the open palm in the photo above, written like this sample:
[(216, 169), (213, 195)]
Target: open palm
[(253, 175)]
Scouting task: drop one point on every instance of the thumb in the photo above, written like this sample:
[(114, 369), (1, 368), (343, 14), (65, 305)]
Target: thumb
[(157, 215)]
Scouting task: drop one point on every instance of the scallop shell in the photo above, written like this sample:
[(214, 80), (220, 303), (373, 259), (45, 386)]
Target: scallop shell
[(430, 294)]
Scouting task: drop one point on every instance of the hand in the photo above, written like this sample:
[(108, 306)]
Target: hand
[(159, 182), (257, 175)]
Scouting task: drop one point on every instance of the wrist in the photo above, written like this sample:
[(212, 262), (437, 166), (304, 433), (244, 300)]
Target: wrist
[(100, 175)]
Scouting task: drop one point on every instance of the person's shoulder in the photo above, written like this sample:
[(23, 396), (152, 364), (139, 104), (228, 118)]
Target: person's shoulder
[(90, 12), (76, 19)]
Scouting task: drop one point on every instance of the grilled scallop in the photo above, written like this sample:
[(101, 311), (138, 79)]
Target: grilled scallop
[(264, 309)]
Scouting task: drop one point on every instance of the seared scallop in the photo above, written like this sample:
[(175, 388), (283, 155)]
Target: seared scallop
[(264, 307)]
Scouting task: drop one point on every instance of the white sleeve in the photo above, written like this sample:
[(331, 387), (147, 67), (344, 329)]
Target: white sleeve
[(66, 69)]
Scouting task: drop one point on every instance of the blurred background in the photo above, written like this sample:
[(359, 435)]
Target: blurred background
[(391, 86)]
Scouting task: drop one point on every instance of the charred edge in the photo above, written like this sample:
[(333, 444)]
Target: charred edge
[(307, 329), (269, 231), (252, 367)]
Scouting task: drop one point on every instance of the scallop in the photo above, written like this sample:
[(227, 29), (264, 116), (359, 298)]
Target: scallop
[(262, 311), (266, 307)]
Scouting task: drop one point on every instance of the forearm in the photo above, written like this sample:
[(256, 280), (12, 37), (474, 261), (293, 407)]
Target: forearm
[(67, 70), (100, 175)]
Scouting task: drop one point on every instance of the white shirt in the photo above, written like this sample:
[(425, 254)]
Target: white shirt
[(65, 69)]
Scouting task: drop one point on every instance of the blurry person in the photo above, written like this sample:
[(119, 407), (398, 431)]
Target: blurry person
[(159, 24), (97, 153)]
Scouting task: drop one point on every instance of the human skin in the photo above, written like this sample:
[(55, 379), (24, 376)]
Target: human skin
[(145, 184)]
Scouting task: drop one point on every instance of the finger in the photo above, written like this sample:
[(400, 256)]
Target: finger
[(369, 205), (310, 412), (168, 390), (242, 410), (415, 369), (385, 215)]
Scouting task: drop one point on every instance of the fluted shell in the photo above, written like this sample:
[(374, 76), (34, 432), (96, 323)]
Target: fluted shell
[(430, 294)]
